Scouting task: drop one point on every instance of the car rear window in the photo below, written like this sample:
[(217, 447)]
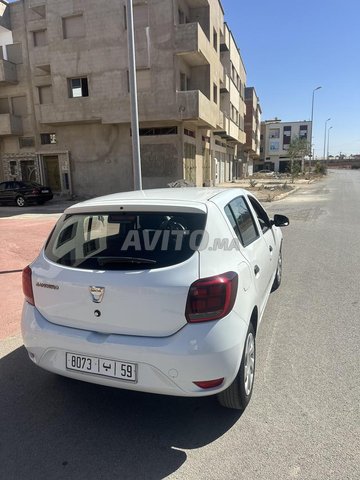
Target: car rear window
[(125, 241)]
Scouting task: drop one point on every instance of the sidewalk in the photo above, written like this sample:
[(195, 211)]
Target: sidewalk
[(269, 189), (21, 240)]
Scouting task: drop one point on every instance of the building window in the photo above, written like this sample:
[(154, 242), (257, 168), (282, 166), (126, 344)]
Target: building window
[(38, 11), (181, 17), (40, 38), (78, 87), (215, 93), (274, 133), (48, 138), (26, 142), (42, 70), (148, 132), (303, 131), (74, 26), (215, 40), (45, 95), (274, 146), (189, 133), (12, 165), (287, 136), (184, 82), (125, 18), (19, 106), (4, 106), (234, 114)]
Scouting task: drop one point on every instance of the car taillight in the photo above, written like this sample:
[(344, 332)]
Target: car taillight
[(27, 285), (209, 383), (211, 298), (35, 191)]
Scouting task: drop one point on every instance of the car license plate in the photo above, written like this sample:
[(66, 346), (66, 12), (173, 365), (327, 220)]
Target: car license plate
[(44, 191), (101, 366)]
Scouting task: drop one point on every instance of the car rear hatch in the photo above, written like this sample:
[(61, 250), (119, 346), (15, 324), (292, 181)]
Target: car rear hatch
[(125, 272)]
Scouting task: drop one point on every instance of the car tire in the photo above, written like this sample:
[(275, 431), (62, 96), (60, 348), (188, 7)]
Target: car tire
[(20, 201), (278, 276), (238, 394)]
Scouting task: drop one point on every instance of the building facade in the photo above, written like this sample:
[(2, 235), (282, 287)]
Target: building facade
[(276, 137), (250, 151), (65, 103)]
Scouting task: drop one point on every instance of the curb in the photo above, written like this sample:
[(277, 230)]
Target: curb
[(286, 194)]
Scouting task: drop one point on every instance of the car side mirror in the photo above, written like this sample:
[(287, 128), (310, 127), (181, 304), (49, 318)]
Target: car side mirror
[(280, 221)]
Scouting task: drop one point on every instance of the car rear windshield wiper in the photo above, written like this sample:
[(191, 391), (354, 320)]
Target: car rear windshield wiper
[(134, 260)]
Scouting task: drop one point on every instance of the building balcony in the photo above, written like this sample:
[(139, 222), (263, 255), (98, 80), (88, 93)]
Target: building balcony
[(8, 74), (230, 131), (10, 125), (194, 106), (5, 15), (192, 43), (78, 111), (225, 84)]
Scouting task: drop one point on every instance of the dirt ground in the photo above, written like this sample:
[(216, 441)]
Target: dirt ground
[(270, 188)]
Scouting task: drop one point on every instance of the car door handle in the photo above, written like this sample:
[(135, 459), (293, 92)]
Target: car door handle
[(256, 269), (271, 248)]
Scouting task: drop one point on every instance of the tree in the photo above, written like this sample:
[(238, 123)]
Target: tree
[(298, 148)]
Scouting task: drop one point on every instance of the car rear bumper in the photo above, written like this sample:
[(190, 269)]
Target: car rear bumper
[(167, 365)]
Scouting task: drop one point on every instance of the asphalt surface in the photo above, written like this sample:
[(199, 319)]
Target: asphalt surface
[(302, 422)]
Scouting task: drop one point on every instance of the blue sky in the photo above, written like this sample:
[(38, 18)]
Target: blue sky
[(289, 48)]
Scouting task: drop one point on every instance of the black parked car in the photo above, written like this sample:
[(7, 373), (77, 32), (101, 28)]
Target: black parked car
[(21, 193)]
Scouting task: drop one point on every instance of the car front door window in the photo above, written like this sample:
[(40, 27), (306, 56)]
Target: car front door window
[(261, 215)]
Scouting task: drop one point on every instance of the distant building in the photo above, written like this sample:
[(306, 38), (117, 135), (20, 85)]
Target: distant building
[(276, 137), (64, 94), (250, 152)]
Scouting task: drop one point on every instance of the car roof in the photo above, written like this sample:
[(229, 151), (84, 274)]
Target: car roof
[(189, 197)]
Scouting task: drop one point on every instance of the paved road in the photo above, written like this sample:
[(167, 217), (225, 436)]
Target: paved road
[(302, 423)]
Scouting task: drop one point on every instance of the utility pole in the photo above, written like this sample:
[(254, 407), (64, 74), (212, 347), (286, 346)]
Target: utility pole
[(328, 141), (312, 121), (328, 120), (133, 98)]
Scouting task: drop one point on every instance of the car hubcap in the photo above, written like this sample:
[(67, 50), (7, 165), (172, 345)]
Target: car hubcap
[(249, 364), (20, 202)]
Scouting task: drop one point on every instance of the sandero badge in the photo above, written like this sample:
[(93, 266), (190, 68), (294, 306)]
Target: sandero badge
[(97, 294)]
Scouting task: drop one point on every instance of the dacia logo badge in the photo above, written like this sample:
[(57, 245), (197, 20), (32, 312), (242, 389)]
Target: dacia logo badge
[(97, 294)]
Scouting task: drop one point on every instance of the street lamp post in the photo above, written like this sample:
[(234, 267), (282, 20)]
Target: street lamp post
[(325, 137), (312, 121), (133, 98), (328, 141)]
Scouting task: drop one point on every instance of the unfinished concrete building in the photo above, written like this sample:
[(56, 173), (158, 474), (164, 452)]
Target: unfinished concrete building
[(65, 103)]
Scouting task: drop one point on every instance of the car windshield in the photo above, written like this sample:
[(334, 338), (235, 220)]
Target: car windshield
[(125, 241)]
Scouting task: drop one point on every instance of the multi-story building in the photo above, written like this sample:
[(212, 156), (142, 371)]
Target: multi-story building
[(250, 151), (276, 137), (65, 103), (229, 139)]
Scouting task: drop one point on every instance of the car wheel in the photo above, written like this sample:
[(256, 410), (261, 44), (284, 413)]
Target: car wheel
[(278, 275), (20, 201), (238, 394)]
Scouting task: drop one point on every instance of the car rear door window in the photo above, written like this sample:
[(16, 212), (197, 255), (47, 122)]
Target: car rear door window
[(246, 229)]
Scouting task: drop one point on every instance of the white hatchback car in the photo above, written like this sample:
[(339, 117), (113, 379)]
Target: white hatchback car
[(157, 291)]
